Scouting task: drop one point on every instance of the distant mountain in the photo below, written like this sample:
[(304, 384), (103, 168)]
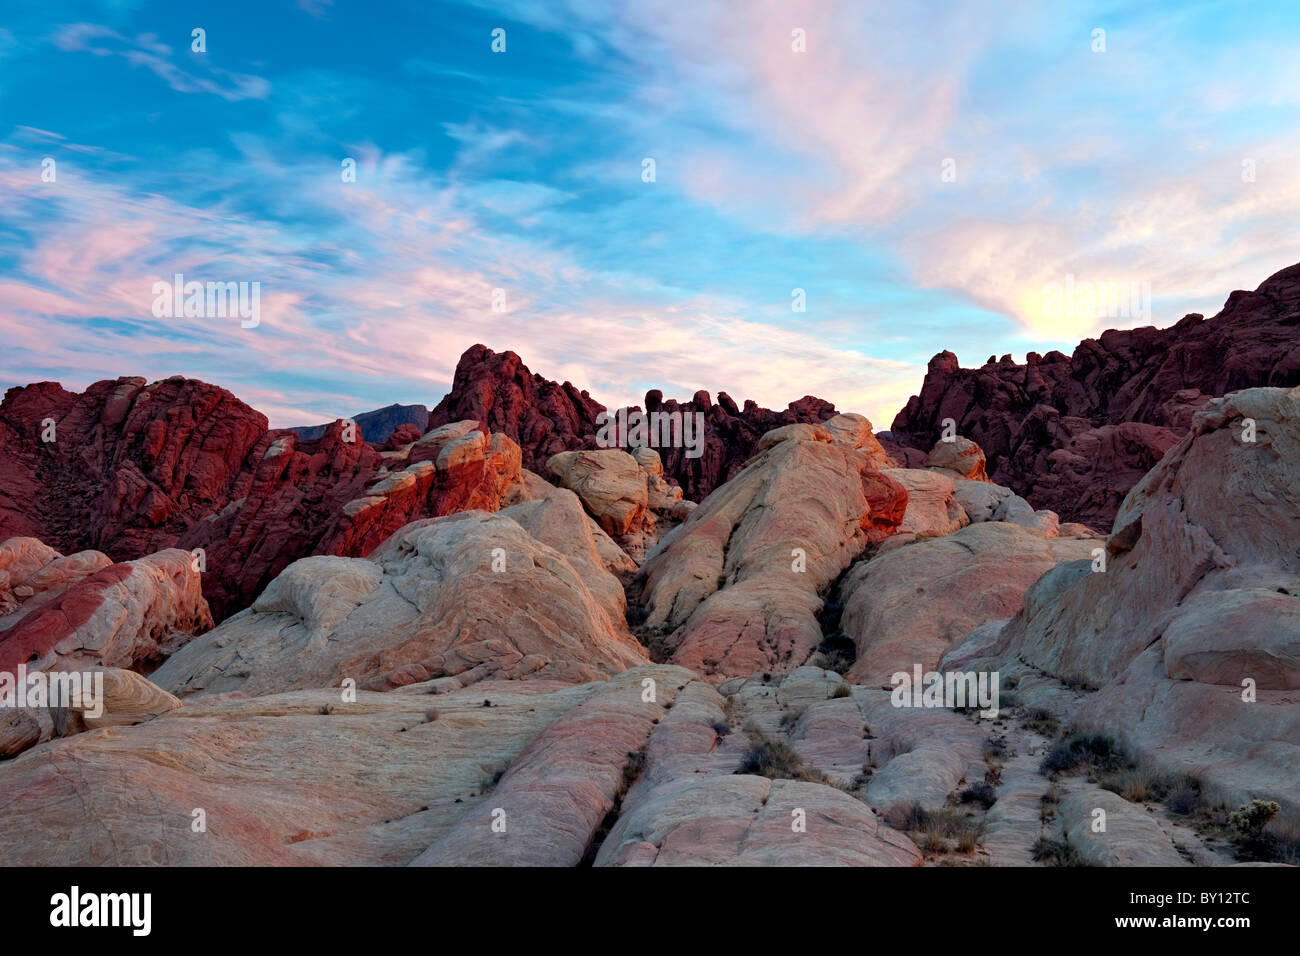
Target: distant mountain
[(376, 426)]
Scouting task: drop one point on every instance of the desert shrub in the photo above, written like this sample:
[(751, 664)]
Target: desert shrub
[(980, 793), (1099, 751), (633, 768), (935, 831), (775, 760), (1273, 842), (1139, 785), (1253, 816), (843, 690), (1056, 853), (1041, 721), (721, 728), (995, 747), (1185, 801)]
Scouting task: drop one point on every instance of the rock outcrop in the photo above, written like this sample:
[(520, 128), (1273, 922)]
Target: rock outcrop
[(640, 769), (546, 418), (736, 588), (911, 605), (130, 468), (1192, 629), (464, 597), (66, 613), (1074, 433)]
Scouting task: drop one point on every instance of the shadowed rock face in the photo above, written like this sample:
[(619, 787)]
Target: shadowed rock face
[(1200, 593), (1074, 433), (131, 469), (546, 418)]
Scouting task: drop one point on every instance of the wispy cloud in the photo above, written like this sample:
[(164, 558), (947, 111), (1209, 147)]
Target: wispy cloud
[(147, 52)]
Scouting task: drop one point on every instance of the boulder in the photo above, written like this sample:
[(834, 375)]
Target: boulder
[(960, 456), (610, 483)]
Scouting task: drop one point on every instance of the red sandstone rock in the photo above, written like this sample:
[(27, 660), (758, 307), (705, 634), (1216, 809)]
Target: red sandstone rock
[(134, 469), (546, 418), (1114, 406)]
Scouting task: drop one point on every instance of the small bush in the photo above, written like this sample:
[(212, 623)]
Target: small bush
[(1094, 750), (775, 760), (1253, 816), (1185, 801), (1041, 721), (980, 793), (1273, 842), (843, 690), (1143, 786), (995, 747), (721, 728), (1056, 853), (633, 768)]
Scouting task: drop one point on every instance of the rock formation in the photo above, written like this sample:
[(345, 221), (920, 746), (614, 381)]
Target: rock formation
[(1191, 627), (131, 469), (1075, 433), (546, 419), (736, 588)]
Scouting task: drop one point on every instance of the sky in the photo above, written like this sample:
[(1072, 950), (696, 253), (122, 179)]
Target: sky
[(929, 175)]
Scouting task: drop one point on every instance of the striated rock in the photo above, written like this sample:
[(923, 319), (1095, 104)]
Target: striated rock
[(117, 698), (913, 604), (1197, 596), (736, 588), (556, 764), (610, 483), (84, 609), (1073, 433), (467, 596), (299, 778), (1131, 836), (558, 791)]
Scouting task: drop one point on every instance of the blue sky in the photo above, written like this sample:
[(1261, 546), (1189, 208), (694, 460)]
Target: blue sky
[(522, 171)]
